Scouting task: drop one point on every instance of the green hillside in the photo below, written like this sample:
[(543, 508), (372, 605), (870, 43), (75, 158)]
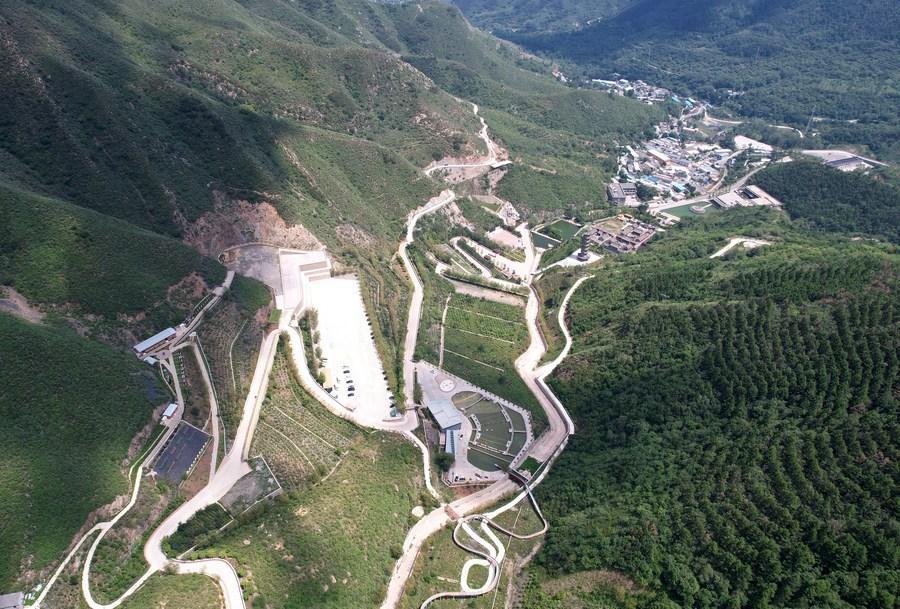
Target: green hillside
[(69, 407), (784, 61), (149, 111), (736, 423), (538, 15), (833, 200), (55, 253), (562, 140)]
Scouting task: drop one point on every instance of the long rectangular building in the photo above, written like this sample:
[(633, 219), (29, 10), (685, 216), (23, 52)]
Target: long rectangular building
[(154, 341), (619, 193)]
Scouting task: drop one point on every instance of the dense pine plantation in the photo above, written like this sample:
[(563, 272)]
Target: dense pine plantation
[(830, 199), (737, 427)]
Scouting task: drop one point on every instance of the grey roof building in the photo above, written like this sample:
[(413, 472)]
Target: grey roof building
[(448, 419), (618, 192), (446, 415), (159, 337)]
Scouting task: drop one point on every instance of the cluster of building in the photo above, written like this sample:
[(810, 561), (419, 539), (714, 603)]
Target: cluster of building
[(621, 234), (675, 169), (643, 91), (622, 193)]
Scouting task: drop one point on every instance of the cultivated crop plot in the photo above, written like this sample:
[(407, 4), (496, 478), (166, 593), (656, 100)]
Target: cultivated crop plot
[(180, 453), (196, 404), (299, 439), (481, 343)]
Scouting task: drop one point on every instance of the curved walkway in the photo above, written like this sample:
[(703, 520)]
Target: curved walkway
[(495, 549), (101, 526)]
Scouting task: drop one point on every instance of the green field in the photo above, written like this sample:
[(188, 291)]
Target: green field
[(171, 591), (300, 440), (331, 545), (53, 469), (481, 343)]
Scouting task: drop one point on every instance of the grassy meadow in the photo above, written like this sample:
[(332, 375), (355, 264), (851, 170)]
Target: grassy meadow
[(333, 544)]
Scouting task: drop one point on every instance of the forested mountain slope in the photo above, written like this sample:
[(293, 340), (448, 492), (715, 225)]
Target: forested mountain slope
[(535, 16), (70, 408), (785, 61), (736, 423), (833, 200), (154, 111)]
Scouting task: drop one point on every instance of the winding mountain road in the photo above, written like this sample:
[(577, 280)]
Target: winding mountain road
[(492, 148), (234, 464)]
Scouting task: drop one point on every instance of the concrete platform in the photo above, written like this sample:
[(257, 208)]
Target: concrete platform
[(349, 348)]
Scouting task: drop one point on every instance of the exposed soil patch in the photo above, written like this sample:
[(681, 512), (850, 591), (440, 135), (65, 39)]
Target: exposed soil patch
[(187, 292), (14, 303), (354, 235), (587, 581), (200, 476), (239, 222), (455, 216)]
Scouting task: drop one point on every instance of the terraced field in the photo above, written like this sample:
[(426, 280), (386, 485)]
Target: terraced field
[(230, 339), (300, 440), (481, 343)]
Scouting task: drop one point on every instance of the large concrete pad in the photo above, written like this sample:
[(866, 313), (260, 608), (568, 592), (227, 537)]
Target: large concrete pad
[(349, 348)]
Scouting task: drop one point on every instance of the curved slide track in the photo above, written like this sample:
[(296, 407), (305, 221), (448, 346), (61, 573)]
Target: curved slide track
[(547, 448)]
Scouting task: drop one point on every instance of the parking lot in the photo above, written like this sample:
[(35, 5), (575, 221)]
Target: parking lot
[(348, 348)]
